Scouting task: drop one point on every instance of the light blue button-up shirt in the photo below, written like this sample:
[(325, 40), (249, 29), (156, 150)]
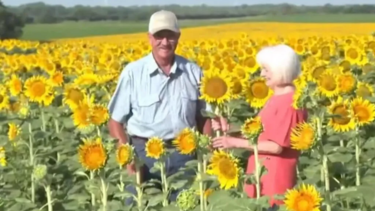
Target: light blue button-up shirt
[(152, 103)]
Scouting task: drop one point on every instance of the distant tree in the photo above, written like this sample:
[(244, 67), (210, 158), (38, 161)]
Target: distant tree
[(10, 24)]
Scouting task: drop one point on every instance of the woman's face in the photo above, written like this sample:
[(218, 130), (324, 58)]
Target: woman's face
[(267, 74)]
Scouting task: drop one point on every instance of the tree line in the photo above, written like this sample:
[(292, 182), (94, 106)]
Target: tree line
[(43, 13)]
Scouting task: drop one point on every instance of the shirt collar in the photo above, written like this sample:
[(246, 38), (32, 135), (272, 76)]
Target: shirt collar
[(153, 66)]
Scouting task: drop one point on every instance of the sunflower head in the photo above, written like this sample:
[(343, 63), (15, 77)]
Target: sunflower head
[(13, 131), (186, 142), (92, 154), (216, 87), (226, 168), (363, 111), (124, 154), (342, 120), (304, 198), (155, 148), (303, 136), (252, 127), (37, 89), (328, 84), (257, 92)]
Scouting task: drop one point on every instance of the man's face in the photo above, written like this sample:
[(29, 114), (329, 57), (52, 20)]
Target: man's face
[(164, 43)]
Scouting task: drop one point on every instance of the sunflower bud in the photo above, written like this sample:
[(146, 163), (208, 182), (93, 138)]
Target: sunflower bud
[(204, 141), (187, 200), (39, 171), (88, 130)]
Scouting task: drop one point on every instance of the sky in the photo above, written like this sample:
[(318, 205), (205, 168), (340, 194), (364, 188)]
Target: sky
[(184, 2)]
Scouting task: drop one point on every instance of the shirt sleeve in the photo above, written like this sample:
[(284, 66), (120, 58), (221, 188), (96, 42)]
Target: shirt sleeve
[(119, 106), (279, 129)]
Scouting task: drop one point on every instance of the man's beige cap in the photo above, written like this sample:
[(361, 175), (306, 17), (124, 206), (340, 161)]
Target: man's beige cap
[(163, 20)]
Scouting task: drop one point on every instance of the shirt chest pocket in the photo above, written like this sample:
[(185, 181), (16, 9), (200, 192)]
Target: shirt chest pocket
[(148, 107), (188, 105)]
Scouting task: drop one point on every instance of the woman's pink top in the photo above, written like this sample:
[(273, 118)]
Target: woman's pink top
[(278, 118)]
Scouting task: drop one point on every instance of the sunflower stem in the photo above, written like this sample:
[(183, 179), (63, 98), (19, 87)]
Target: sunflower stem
[(43, 120), (31, 153), (257, 170), (217, 113), (57, 129), (92, 194), (49, 197), (164, 183), (203, 203), (325, 163), (357, 159), (138, 179), (104, 194)]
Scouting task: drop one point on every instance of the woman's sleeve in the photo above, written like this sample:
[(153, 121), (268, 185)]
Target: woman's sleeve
[(278, 130)]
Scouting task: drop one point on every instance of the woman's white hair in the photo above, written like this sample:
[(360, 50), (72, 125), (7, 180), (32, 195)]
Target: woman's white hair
[(283, 62)]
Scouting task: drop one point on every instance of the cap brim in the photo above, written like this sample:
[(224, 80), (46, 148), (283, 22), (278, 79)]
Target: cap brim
[(158, 29)]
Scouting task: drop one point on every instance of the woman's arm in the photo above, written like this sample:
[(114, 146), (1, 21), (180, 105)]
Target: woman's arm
[(264, 147)]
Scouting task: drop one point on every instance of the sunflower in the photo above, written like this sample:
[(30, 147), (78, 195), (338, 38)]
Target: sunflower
[(344, 121), (216, 87), (86, 79), (81, 116), (364, 90), (124, 154), (225, 167), (99, 114), (4, 99), (92, 154), (37, 89), (3, 161), (302, 136), (251, 127), (155, 148), (257, 92), (238, 85), (73, 95), (363, 111), (347, 82), (57, 78), (13, 131), (15, 85), (305, 198), (328, 85), (185, 142)]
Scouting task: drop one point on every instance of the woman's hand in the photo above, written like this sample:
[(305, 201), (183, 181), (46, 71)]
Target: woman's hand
[(220, 123), (225, 142)]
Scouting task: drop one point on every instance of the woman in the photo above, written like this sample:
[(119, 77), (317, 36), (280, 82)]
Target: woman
[(280, 67)]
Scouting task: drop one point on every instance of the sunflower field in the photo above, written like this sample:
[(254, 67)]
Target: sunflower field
[(56, 153)]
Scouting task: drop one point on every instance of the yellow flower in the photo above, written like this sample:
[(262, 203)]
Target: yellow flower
[(13, 131), (344, 121), (216, 87), (305, 198), (257, 92), (302, 136), (92, 154), (38, 90), (251, 127), (4, 99), (238, 85), (73, 96), (225, 167), (364, 90), (99, 114), (15, 85), (328, 85), (155, 148), (347, 82), (86, 79), (3, 161), (363, 110), (57, 78), (124, 154), (185, 142)]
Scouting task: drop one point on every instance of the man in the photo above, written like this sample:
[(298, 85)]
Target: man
[(158, 95)]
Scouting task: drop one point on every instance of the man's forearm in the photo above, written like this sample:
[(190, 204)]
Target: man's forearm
[(117, 131)]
